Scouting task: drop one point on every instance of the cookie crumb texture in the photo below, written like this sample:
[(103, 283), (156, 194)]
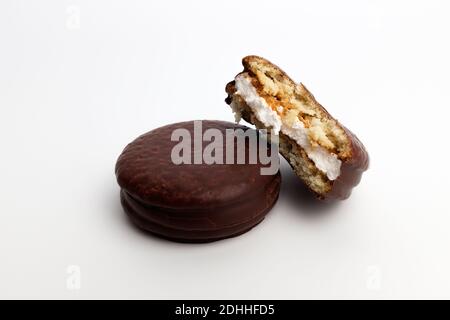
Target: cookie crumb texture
[(191, 202), (328, 157)]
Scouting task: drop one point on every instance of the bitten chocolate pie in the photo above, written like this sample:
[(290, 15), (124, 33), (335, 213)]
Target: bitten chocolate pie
[(328, 157)]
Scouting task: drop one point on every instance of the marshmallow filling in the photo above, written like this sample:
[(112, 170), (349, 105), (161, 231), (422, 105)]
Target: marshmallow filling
[(325, 160)]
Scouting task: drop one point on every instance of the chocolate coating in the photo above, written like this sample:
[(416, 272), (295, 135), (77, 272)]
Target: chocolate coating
[(192, 202), (351, 170)]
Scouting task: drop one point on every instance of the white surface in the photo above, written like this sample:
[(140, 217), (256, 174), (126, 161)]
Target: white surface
[(73, 95)]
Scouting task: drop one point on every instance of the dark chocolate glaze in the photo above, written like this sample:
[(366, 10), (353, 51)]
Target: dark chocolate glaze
[(351, 170), (197, 225), (187, 202)]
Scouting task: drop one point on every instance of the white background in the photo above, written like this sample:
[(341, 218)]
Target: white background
[(80, 79)]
